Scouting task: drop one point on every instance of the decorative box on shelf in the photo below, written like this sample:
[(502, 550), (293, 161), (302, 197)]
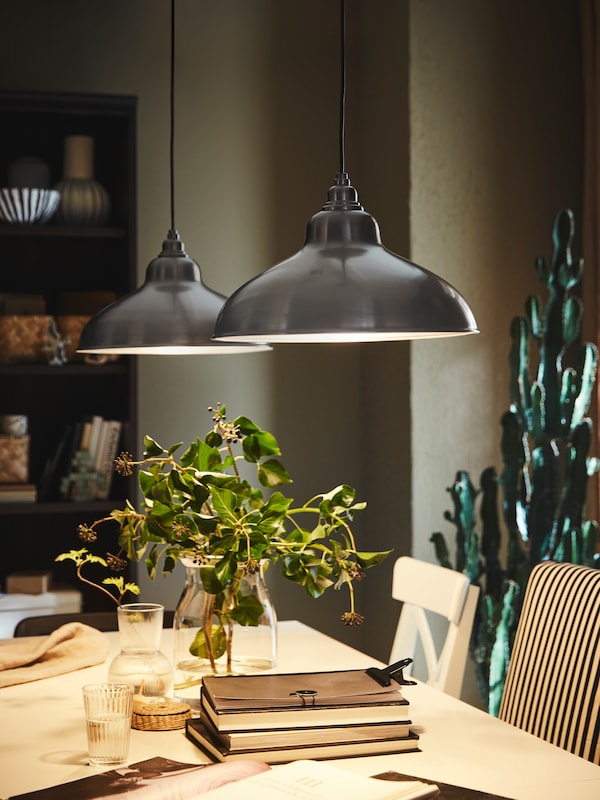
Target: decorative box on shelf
[(14, 459), (25, 338), (15, 607)]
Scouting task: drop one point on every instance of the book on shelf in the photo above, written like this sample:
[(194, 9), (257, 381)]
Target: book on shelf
[(246, 702), (18, 493), (94, 436), (300, 735), (315, 780), (64, 467), (107, 452), (86, 430), (58, 464), (271, 752)]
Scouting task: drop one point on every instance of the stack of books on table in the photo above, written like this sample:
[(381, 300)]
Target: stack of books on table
[(315, 715)]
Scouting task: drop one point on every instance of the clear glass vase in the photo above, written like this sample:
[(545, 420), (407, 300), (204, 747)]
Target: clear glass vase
[(141, 662), (246, 649)]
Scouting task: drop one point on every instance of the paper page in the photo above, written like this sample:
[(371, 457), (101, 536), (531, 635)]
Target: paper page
[(316, 780)]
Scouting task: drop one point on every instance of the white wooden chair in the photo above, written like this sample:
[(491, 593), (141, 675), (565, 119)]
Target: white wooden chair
[(423, 587)]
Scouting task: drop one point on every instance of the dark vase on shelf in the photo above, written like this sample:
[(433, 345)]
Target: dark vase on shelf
[(83, 201)]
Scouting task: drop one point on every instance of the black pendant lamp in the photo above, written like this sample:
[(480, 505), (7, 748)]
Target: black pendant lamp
[(344, 285), (173, 312)]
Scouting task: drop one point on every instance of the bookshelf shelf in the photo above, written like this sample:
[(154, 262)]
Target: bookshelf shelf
[(59, 232), (95, 507), (64, 371), (52, 262)]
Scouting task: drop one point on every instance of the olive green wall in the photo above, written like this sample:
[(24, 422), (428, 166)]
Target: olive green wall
[(463, 139), (495, 153)]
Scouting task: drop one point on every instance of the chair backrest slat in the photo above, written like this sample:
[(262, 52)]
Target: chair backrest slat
[(421, 587), (102, 620)]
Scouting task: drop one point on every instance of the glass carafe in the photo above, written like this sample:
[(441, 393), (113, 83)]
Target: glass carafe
[(140, 662)]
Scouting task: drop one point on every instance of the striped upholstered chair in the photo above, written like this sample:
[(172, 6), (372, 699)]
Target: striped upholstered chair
[(552, 688)]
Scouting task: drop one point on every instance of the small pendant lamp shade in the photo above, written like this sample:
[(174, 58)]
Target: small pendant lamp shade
[(344, 286), (172, 313)]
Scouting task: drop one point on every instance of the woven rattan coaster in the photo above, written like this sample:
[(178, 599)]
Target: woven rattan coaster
[(159, 715)]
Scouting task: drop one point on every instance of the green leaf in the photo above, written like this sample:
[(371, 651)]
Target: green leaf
[(146, 481), (201, 456), (210, 581), (155, 530), (245, 425), (213, 439), (248, 610), (226, 568), (225, 503), (259, 444), (371, 559), (218, 641), (277, 504), (272, 473), (151, 448)]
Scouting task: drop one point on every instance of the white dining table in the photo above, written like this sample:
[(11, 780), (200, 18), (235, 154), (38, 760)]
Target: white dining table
[(43, 738)]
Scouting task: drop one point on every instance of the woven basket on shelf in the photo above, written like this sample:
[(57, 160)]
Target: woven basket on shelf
[(159, 715), (24, 337), (14, 459)]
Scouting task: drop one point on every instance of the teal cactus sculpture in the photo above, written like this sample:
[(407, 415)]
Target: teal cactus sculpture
[(545, 443)]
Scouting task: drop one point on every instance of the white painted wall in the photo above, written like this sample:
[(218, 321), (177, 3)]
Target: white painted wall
[(495, 153)]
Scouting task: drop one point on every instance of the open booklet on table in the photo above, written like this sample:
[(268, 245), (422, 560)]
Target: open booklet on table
[(161, 778)]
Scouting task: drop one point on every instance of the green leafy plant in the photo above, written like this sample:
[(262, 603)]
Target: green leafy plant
[(200, 506), (546, 444)]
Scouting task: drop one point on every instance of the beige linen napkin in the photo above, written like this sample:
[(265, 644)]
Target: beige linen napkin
[(70, 647)]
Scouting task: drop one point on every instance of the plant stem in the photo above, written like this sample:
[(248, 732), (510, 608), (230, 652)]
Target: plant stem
[(229, 644), (207, 612), (96, 585)]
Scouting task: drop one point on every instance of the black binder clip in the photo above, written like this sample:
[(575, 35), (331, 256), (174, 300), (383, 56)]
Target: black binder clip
[(394, 672), (304, 695)]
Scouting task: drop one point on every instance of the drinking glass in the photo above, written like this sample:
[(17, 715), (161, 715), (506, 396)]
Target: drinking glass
[(108, 710)]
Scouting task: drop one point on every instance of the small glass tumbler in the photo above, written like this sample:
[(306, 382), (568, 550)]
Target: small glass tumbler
[(108, 710)]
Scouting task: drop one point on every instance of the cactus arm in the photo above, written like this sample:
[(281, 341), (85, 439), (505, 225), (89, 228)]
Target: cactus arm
[(570, 517), (544, 500), (490, 533), (518, 359), (441, 549), (588, 371), (500, 654), (463, 495)]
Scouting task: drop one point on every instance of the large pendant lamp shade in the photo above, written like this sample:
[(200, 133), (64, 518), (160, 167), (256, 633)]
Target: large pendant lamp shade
[(173, 312), (344, 285)]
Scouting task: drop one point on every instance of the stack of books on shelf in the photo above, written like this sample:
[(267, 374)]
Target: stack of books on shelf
[(316, 715), (85, 451), (18, 493)]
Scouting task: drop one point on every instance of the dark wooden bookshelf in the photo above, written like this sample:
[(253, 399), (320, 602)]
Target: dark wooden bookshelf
[(48, 260)]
